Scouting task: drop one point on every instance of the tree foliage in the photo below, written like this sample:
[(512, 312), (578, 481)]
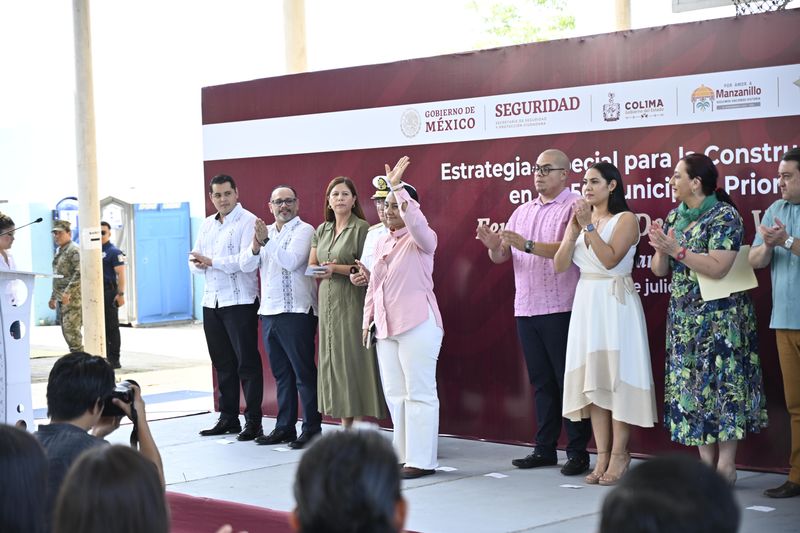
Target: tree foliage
[(521, 21)]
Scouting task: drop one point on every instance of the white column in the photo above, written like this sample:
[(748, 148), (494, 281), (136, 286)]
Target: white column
[(88, 203), (294, 18)]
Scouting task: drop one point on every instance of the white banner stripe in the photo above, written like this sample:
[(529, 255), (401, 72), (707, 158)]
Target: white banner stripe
[(713, 97)]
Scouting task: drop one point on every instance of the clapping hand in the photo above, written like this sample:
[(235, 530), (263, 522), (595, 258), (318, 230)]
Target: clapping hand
[(489, 238), (775, 235), (666, 243), (583, 212), (513, 239), (261, 232)]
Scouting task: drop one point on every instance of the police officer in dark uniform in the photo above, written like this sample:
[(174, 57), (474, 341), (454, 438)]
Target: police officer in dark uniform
[(113, 292)]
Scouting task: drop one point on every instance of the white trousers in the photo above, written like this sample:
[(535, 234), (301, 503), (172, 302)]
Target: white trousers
[(407, 364)]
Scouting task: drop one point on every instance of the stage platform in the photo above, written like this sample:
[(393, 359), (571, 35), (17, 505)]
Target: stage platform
[(478, 489)]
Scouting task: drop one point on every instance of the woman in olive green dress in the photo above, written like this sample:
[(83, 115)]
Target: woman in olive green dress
[(348, 383)]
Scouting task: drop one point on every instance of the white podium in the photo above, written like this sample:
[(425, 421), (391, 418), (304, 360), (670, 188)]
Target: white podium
[(16, 291)]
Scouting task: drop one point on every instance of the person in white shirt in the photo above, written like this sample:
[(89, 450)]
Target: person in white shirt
[(230, 304), (288, 314), (361, 277)]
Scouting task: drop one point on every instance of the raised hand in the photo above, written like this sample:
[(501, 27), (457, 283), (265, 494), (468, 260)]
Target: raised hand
[(395, 175)]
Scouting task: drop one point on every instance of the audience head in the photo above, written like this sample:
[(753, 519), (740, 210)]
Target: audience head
[(23, 482), (341, 197), (349, 481), (670, 495), (702, 168), (77, 382), (613, 179), (111, 488)]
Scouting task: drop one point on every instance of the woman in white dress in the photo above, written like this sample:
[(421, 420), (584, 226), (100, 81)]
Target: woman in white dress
[(608, 376)]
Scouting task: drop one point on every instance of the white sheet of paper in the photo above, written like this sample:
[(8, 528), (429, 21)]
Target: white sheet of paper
[(568, 486), (739, 278), (225, 441), (282, 449), (761, 508), (311, 270), (446, 469), (496, 475)]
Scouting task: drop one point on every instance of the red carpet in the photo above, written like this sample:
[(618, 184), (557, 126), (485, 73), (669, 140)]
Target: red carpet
[(190, 514)]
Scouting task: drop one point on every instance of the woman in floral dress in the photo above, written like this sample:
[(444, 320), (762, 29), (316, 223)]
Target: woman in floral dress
[(713, 392)]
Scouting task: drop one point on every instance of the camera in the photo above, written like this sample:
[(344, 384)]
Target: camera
[(124, 392)]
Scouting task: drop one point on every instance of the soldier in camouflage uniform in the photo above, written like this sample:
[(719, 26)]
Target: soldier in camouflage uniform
[(66, 297)]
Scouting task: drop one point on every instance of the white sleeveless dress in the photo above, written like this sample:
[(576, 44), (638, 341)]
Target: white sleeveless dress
[(608, 356)]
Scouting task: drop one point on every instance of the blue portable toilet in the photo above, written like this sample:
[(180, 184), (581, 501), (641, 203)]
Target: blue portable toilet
[(67, 209), (156, 239)]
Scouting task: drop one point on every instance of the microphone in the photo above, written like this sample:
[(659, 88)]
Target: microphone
[(20, 227)]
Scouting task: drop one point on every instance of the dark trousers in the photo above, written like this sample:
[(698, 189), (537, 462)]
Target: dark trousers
[(544, 344), (112, 323), (232, 338), (289, 340)]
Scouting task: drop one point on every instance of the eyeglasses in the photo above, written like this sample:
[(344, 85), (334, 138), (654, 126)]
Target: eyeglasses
[(545, 170), (287, 201)]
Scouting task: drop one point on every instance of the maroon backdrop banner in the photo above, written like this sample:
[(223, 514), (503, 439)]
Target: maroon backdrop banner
[(483, 384)]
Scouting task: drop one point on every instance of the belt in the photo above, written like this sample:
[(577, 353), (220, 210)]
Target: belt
[(619, 286)]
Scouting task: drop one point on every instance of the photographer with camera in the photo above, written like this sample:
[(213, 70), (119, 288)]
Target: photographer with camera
[(80, 388)]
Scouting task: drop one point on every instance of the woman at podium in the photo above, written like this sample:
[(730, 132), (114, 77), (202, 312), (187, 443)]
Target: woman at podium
[(6, 240)]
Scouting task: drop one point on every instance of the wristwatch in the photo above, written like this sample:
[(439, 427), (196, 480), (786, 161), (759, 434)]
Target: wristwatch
[(590, 227), (529, 246), (120, 294), (788, 243)]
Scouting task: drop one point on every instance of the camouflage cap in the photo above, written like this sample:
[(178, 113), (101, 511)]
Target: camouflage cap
[(381, 187), (62, 225)]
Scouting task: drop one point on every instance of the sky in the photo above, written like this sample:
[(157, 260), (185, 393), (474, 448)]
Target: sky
[(151, 59)]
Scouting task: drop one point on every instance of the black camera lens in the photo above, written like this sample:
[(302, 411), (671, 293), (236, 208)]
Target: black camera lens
[(124, 392)]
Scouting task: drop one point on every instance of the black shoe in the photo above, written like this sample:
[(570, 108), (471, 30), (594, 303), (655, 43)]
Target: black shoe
[(409, 472), (533, 460), (304, 438), (787, 490), (252, 430), (575, 466), (223, 426), (278, 436)]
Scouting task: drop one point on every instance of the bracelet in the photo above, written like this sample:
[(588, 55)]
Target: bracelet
[(681, 254), (262, 243), (398, 186)]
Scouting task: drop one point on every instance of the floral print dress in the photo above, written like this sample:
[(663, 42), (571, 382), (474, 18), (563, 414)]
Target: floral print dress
[(712, 388)]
